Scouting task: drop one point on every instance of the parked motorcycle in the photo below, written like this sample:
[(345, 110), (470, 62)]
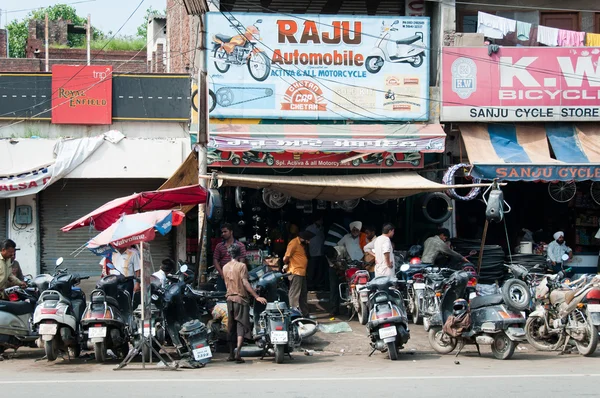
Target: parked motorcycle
[(241, 49), (107, 320), (354, 294), (59, 312), (410, 50), (278, 328), (518, 291), (564, 313), (388, 323), (16, 315), (486, 320)]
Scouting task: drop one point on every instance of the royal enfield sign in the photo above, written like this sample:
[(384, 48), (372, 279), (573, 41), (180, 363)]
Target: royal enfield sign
[(318, 67), (81, 94), (521, 84)]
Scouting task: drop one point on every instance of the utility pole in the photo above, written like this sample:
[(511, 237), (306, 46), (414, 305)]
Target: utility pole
[(88, 38), (46, 38)]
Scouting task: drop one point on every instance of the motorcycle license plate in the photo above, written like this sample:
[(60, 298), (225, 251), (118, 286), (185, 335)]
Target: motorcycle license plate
[(279, 337), (472, 295), (48, 328), (149, 332), (97, 332), (593, 307), (202, 353), (419, 286), (387, 332)]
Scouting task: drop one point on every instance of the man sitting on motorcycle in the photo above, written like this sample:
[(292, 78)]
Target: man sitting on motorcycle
[(7, 279), (235, 275), (436, 246), (166, 267)]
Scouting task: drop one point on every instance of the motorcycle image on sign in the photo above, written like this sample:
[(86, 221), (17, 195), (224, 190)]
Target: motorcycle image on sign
[(241, 49)]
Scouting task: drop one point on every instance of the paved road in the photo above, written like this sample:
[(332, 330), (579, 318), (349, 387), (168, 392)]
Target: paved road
[(328, 373)]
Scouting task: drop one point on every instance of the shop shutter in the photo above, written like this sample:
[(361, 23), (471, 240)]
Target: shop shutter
[(69, 199), (354, 7), (3, 219)]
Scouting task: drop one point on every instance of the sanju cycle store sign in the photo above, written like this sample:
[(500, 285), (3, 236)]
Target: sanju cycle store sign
[(325, 67), (521, 84)]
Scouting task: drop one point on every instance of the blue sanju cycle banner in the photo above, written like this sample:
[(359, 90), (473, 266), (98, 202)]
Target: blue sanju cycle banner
[(318, 67)]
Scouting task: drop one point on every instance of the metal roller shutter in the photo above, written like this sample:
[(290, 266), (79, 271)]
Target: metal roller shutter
[(69, 199), (3, 219)]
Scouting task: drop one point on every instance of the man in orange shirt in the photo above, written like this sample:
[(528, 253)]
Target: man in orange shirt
[(296, 260)]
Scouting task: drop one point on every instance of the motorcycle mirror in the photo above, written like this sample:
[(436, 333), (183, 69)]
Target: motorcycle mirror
[(396, 22), (183, 268), (59, 261), (259, 21), (404, 267), (565, 257)]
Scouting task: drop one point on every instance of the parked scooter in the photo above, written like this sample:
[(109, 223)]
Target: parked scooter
[(388, 323), (16, 326), (410, 50), (58, 314), (564, 313), (107, 320), (487, 320), (253, 157)]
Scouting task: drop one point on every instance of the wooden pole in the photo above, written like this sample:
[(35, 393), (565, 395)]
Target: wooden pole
[(88, 38), (483, 238), (46, 42)]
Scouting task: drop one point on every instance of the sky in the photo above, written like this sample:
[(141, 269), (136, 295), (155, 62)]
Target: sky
[(107, 15)]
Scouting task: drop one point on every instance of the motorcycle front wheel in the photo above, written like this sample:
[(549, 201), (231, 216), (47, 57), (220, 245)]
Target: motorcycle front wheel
[(222, 65), (259, 66), (440, 341), (532, 333), (417, 317), (588, 346)]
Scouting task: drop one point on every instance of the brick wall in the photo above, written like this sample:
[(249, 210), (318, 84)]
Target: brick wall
[(20, 65), (3, 49), (180, 41)]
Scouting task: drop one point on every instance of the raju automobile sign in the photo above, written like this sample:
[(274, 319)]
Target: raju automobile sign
[(521, 84), (318, 67)]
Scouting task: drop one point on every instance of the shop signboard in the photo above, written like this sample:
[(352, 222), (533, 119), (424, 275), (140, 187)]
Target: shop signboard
[(533, 172), (318, 67), (520, 84), (81, 94)]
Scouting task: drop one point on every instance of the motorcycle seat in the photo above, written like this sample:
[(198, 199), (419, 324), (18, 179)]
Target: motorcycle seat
[(409, 40), (16, 307), (486, 301), (223, 38)]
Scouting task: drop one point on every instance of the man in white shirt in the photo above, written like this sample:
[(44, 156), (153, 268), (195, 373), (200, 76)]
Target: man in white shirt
[(351, 242), (167, 267), (384, 253)]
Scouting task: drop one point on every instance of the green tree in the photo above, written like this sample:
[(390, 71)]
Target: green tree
[(18, 30), (142, 30)]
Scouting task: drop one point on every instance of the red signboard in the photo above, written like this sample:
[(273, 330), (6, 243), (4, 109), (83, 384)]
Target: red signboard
[(314, 160), (81, 94), (521, 84)]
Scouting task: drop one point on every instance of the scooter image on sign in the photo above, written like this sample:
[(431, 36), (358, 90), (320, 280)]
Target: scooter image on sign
[(410, 50)]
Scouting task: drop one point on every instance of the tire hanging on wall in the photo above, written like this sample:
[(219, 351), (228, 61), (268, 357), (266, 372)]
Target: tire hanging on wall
[(437, 196), (449, 180)]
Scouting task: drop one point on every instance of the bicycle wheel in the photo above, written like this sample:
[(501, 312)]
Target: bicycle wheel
[(562, 191), (595, 192)]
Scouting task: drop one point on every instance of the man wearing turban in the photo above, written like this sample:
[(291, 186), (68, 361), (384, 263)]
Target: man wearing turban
[(355, 241), (556, 249)]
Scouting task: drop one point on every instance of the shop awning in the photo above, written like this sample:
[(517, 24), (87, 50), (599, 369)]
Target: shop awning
[(340, 187), (521, 152)]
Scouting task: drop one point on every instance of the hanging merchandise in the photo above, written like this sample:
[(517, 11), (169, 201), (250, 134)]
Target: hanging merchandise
[(349, 205), (321, 204), (547, 36), (493, 26), (449, 180), (494, 210), (274, 199), (239, 194), (569, 38), (445, 204), (214, 207), (592, 40), (378, 202), (308, 207), (523, 30)]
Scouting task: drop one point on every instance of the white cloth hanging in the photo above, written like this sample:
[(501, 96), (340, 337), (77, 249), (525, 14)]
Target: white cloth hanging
[(493, 26), (547, 36)]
